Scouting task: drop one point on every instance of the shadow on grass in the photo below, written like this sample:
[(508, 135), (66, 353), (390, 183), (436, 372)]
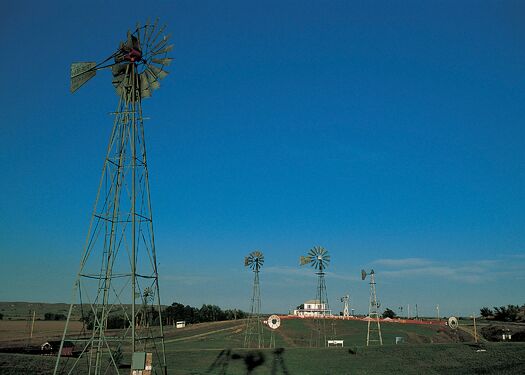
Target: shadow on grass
[(251, 360)]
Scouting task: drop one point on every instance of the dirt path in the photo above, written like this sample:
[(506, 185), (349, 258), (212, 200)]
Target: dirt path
[(204, 334)]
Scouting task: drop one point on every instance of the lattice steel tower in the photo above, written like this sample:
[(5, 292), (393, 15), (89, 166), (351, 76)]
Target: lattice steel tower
[(346, 300), (319, 259), (117, 282), (373, 334), (253, 337)]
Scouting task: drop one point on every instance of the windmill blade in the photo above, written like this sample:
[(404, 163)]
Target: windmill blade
[(246, 262), (158, 72), (162, 51), (154, 39), (137, 31), (144, 31), (145, 91), (323, 263), (119, 74), (152, 30), (164, 61), (257, 254), (152, 80), (129, 41), (161, 43), (120, 90), (81, 73)]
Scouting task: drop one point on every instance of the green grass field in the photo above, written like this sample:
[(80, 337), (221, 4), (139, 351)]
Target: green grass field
[(216, 348), (295, 333), (405, 359)]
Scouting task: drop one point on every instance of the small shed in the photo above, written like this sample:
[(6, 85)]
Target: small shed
[(180, 324), (336, 343)]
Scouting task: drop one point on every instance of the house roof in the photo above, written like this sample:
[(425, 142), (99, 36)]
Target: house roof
[(312, 301)]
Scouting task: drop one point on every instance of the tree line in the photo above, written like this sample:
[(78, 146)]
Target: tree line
[(207, 313), (509, 313), (149, 316)]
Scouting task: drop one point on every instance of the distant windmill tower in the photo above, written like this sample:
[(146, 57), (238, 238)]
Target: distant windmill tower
[(319, 259), (254, 327), (345, 300), (373, 313)]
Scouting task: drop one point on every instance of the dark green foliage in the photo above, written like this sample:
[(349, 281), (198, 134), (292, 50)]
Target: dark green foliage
[(486, 312), (389, 314), (1, 316), (52, 316), (117, 321), (207, 313), (114, 321), (495, 332), (506, 314)]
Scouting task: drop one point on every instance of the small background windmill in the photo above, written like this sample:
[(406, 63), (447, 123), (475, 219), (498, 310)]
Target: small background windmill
[(318, 258), (374, 332), (346, 301), (253, 337)]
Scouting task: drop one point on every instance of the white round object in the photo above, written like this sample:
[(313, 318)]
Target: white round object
[(453, 322), (274, 321)]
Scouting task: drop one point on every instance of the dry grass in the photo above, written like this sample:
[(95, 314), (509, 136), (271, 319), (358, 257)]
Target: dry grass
[(17, 333)]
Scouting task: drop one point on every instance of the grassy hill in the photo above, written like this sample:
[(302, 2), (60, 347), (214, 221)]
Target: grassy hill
[(216, 348), (24, 310), (295, 333)]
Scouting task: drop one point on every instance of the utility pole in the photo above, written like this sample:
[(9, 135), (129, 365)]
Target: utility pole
[(408, 313), (33, 324), (437, 308), (475, 331)]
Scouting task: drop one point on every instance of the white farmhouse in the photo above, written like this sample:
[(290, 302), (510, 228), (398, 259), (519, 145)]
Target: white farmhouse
[(313, 307)]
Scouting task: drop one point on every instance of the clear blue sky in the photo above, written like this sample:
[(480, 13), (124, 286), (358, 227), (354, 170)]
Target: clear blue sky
[(391, 134)]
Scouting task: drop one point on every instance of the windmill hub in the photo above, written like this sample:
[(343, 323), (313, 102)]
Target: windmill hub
[(129, 51)]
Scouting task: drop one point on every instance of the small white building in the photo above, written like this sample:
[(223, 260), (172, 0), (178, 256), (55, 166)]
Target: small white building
[(311, 308), (180, 324)]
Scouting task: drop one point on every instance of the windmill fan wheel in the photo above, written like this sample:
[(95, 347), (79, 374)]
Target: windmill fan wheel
[(254, 260), (140, 61), (319, 257)]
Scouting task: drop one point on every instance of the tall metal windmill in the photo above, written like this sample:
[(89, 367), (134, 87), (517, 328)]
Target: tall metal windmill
[(118, 267), (319, 259), (373, 311), (254, 326), (346, 301)]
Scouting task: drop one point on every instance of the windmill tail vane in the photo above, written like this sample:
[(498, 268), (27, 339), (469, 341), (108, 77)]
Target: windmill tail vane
[(139, 61), (304, 260)]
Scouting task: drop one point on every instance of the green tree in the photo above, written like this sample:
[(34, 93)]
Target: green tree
[(506, 314), (486, 312), (389, 314)]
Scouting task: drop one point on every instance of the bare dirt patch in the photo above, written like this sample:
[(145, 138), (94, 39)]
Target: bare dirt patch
[(17, 333)]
